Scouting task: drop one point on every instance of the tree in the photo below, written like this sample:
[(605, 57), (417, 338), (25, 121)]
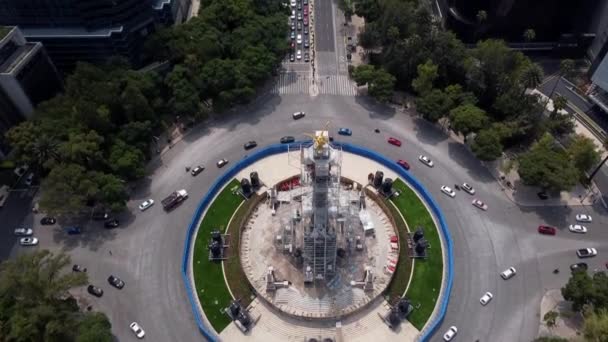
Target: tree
[(36, 304), (560, 125), (427, 73), (550, 318), (468, 118), (584, 154), (595, 327), (487, 144), (94, 327), (363, 74), (66, 190), (559, 103), (434, 105), (532, 76), (578, 290), (481, 16), (529, 35), (381, 87), (126, 161), (547, 166)]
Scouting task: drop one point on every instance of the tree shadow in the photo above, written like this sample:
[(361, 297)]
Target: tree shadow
[(427, 132), (461, 154), (376, 110)]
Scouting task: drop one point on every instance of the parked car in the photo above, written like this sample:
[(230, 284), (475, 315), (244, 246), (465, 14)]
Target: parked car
[(449, 335), (29, 179), (28, 241), (425, 160), (116, 282), (577, 228), (298, 115), (78, 268), (47, 221), (95, 291), (24, 231), (111, 223), (403, 164), (222, 162), (508, 273), (292, 57), (306, 57), (287, 139), (542, 195), (198, 169), (579, 266), (137, 330), (583, 218), (394, 141), (479, 204), (250, 144), (146, 204), (100, 215), (468, 188), (586, 252), (448, 191), (486, 298), (74, 230), (547, 230)]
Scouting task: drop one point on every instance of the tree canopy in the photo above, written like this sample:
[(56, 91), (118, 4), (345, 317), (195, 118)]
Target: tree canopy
[(35, 304)]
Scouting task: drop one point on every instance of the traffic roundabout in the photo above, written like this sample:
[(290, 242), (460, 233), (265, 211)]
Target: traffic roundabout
[(369, 247)]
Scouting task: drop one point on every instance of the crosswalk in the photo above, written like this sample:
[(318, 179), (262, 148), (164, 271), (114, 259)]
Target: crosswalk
[(293, 84)]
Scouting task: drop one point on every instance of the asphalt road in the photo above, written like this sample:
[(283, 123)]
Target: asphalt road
[(146, 250), (325, 38)]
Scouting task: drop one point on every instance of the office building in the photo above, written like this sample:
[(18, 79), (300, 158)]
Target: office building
[(91, 30), (27, 77)]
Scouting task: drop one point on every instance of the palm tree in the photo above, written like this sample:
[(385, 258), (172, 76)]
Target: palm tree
[(565, 67), (531, 76), (529, 35), (45, 150), (601, 163), (481, 16)]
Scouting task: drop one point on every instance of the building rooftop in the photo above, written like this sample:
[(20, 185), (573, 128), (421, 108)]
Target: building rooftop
[(12, 61), (4, 30), (69, 32)]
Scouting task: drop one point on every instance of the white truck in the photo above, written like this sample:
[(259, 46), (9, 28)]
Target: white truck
[(174, 199)]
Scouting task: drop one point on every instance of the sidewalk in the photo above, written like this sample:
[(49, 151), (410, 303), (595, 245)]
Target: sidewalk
[(567, 324)]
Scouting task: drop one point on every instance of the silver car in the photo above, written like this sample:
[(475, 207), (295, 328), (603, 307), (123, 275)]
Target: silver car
[(28, 241), (24, 231), (146, 204)]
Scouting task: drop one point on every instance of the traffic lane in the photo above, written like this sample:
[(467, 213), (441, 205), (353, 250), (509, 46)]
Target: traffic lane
[(324, 26), (562, 89), (15, 213)]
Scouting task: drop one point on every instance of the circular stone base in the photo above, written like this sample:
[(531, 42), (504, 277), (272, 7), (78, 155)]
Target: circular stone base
[(339, 296)]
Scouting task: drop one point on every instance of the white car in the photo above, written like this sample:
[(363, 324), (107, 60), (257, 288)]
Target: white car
[(425, 160), (299, 41), (449, 335), (293, 3), (24, 231), (583, 252), (583, 218), (508, 273), (448, 191), (28, 241), (146, 204), (299, 54), (298, 115), (137, 330), (486, 298), (222, 162), (468, 188), (293, 14), (577, 228), (479, 204)]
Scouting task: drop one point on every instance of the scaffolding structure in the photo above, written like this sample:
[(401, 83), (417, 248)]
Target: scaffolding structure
[(321, 220)]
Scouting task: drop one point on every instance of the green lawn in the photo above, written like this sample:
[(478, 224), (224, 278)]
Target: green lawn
[(236, 277), (211, 288), (426, 283)]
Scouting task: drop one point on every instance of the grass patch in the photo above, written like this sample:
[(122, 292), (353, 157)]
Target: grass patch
[(209, 281), (404, 265), (237, 279), (426, 283)]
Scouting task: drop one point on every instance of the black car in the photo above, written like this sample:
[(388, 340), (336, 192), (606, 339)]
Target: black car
[(116, 282), (306, 43), (249, 145), (287, 139), (98, 216), (95, 291), (47, 221), (112, 223), (306, 57), (78, 268), (542, 195), (579, 266), (292, 57), (331, 138), (197, 170)]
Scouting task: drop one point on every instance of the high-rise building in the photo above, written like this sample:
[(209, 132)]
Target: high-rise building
[(27, 77), (91, 30)]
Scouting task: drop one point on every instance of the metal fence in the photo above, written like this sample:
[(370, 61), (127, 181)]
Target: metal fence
[(276, 149)]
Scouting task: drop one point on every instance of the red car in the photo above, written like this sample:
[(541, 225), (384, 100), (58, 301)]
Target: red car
[(403, 164), (547, 230), (394, 141), (305, 10)]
